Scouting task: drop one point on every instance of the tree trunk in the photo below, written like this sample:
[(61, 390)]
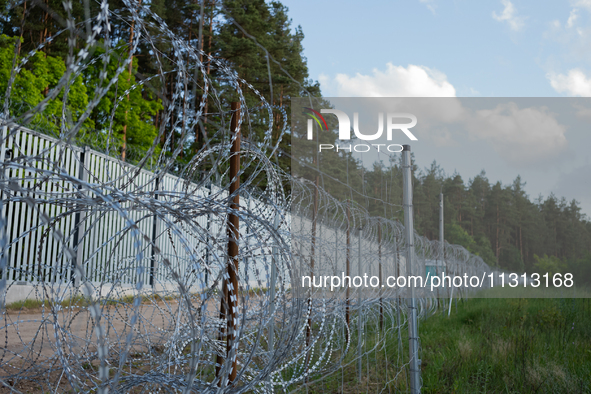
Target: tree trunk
[(208, 68), (130, 69), (520, 244), (497, 238), (18, 50)]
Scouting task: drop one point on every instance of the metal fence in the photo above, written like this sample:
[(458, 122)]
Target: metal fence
[(131, 268)]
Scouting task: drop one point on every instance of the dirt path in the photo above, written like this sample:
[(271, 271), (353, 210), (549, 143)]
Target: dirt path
[(29, 349)]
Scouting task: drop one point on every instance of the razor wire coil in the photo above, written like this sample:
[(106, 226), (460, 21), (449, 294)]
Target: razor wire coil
[(128, 261)]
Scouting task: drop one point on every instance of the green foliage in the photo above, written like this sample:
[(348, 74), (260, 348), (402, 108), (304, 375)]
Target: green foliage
[(455, 234), (510, 259), (581, 269), (500, 223), (549, 264), (40, 74), (134, 111), (483, 249)]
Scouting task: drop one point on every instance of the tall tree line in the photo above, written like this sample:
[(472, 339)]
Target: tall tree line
[(500, 223), (229, 33)]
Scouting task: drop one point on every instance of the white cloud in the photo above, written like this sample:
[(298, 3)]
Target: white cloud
[(572, 18), (524, 137), (582, 3), (575, 83), (430, 5), (583, 112), (395, 81), (509, 15)]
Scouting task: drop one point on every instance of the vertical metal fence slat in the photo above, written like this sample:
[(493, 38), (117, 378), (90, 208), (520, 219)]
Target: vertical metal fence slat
[(80, 219), (51, 247), (42, 246), (13, 218), (108, 258), (4, 238), (34, 235)]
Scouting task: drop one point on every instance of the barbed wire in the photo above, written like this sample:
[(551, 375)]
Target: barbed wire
[(125, 266)]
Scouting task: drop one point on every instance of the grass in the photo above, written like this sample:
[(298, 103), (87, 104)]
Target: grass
[(81, 301), (485, 346), (25, 304), (509, 346)]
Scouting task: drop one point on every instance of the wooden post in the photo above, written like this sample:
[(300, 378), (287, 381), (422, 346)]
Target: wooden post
[(130, 69), (229, 303), (312, 261)]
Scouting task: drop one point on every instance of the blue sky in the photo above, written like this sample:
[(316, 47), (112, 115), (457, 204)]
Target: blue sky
[(482, 48), (500, 48)]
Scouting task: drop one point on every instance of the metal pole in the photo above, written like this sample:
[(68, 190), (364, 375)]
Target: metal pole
[(272, 298), (413, 334), (450, 299), (348, 271), (380, 274), (397, 267), (79, 219), (207, 246), (441, 239), (155, 233), (272, 289), (3, 223), (336, 250), (360, 314)]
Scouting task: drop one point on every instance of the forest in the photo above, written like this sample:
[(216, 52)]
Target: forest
[(500, 223), (134, 124)]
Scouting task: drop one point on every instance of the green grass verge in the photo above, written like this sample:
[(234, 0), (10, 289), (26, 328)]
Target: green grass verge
[(485, 346), (508, 346), (81, 301)]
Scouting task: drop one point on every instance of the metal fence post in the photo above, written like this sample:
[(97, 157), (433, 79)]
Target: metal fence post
[(348, 272), (80, 217), (3, 223), (272, 288), (360, 313), (155, 232), (413, 334), (441, 240), (380, 275)]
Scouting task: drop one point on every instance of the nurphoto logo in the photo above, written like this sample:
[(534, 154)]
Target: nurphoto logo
[(392, 124)]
